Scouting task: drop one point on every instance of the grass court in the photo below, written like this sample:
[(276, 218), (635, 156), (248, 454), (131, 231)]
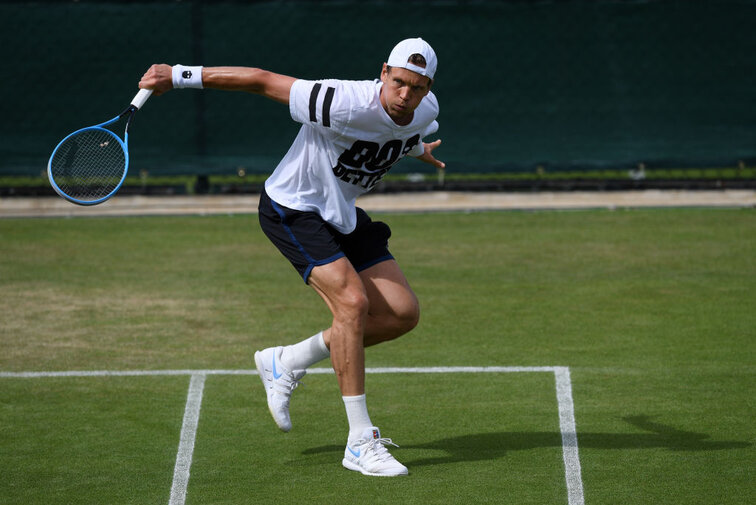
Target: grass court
[(650, 311)]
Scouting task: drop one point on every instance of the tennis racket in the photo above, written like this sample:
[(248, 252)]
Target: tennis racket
[(89, 165)]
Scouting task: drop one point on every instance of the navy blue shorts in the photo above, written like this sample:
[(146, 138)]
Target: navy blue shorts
[(307, 241)]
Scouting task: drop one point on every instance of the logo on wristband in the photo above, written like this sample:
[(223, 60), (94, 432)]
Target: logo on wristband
[(186, 74)]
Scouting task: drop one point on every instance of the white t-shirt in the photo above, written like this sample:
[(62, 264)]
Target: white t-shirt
[(346, 145)]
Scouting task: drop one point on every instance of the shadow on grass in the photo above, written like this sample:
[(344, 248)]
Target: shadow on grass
[(486, 446)]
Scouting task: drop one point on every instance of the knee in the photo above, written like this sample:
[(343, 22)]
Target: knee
[(406, 318), (412, 317), (353, 305)]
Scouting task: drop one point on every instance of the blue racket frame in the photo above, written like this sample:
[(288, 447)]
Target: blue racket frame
[(136, 104), (124, 145)]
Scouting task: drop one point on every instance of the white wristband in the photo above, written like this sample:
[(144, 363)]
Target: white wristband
[(186, 77)]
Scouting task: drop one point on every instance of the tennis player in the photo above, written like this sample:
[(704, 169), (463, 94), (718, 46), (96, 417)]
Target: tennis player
[(352, 133)]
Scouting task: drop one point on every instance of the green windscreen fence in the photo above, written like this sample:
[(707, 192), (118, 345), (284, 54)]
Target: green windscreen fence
[(559, 84)]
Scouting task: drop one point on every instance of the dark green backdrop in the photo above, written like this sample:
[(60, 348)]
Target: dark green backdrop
[(562, 84)]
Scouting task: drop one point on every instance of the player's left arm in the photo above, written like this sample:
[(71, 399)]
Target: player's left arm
[(428, 157)]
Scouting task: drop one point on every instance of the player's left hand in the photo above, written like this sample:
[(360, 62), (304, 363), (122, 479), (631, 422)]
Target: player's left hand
[(428, 157)]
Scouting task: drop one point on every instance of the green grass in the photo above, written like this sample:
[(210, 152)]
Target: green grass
[(652, 310)]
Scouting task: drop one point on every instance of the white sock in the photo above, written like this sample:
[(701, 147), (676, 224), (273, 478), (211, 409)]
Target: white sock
[(306, 353), (357, 414)]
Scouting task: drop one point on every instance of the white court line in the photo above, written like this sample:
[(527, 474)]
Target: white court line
[(567, 425), (572, 472), (186, 440), (311, 371)]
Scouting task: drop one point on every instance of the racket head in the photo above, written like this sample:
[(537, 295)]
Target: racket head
[(89, 165)]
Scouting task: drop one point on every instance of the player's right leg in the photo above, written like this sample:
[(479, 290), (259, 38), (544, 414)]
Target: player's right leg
[(307, 242), (279, 382)]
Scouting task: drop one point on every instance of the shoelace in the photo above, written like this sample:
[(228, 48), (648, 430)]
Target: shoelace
[(378, 449), (286, 383)]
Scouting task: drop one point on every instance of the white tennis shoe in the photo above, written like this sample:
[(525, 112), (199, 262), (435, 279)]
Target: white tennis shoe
[(278, 382), (369, 456)]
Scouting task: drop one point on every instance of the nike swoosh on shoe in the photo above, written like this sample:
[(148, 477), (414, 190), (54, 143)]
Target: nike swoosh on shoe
[(276, 373)]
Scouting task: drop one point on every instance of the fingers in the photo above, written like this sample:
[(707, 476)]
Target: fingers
[(157, 78), (428, 156)]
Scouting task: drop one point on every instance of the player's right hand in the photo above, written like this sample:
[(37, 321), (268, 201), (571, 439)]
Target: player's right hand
[(159, 78)]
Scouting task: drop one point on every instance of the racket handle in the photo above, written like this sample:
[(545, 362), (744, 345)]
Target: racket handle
[(141, 97)]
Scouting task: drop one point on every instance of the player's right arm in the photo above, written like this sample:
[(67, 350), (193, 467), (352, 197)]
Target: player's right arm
[(252, 80)]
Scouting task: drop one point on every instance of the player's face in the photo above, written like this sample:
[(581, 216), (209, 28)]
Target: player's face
[(402, 92)]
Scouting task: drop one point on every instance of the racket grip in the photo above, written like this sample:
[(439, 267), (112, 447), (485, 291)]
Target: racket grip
[(141, 97)]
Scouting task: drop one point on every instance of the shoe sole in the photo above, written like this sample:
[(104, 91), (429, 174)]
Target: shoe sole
[(261, 374), (349, 465)]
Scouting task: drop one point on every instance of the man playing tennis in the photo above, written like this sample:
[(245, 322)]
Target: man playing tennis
[(352, 133)]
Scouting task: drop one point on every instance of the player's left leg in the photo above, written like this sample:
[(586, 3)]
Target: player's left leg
[(393, 307), (393, 310)]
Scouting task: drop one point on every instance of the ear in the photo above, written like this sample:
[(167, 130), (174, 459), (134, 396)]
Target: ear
[(384, 73), (427, 88)]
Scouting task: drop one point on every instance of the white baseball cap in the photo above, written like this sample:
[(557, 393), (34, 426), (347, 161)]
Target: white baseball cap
[(401, 53)]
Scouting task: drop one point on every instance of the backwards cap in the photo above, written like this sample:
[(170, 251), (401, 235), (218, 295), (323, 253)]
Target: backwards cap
[(403, 50)]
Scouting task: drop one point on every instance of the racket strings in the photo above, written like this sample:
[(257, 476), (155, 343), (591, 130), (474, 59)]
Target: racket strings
[(89, 165)]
